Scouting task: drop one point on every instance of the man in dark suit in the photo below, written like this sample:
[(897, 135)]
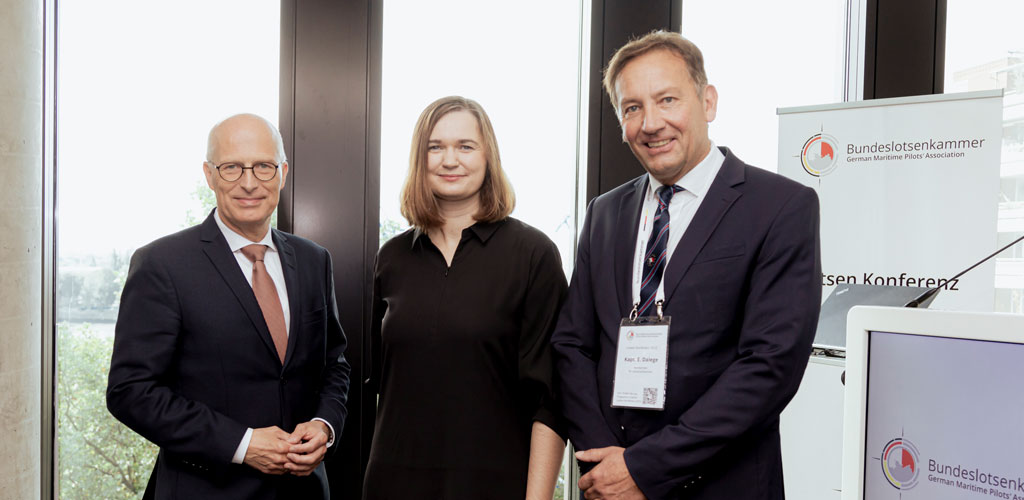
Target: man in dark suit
[(730, 254), (228, 353)]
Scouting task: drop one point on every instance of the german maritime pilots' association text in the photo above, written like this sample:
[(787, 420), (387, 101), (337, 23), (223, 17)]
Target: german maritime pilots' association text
[(902, 279), (911, 150), (975, 480)]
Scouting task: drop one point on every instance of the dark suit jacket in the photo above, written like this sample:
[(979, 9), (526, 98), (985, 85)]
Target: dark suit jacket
[(194, 364), (743, 289)]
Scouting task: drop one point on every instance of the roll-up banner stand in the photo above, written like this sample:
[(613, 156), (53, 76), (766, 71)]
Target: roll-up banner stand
[(909, 190)]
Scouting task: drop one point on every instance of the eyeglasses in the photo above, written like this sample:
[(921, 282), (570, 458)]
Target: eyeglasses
[(231, 171)]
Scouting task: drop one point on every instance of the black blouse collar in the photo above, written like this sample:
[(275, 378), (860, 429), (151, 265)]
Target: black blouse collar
[(482, 230)]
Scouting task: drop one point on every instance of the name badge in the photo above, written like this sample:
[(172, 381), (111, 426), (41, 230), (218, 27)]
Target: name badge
[(641, 363)]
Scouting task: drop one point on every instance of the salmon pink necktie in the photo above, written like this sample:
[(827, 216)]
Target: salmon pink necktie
[(266, 296)]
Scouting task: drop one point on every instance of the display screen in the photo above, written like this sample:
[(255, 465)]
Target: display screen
[(945, 419)]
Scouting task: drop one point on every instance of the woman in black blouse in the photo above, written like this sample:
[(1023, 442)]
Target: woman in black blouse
[(464, 306)]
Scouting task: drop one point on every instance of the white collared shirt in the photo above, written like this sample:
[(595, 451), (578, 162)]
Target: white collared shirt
[(272, 260), (681, 210)]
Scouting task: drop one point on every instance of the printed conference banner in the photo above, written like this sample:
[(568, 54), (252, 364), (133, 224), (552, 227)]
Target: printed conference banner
[(909, 190)]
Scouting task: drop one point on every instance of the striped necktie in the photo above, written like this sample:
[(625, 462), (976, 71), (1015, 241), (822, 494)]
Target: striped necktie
[(657, 251)]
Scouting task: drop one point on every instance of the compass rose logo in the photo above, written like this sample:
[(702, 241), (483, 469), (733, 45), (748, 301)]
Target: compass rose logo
[(899, 463), (818, 155)]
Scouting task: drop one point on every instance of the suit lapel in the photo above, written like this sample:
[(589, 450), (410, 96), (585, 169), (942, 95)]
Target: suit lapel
[(719, 198), (625, 247), (217, 250), (291, 281)]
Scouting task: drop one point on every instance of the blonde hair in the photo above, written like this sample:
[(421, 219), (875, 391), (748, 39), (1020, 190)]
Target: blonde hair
[(655, 40), (419, 204)]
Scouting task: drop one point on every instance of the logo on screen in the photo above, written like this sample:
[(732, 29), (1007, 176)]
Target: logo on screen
[(899, 463), (818, 155)]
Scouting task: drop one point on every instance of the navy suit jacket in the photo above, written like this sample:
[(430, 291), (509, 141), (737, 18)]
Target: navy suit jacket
[(194, 364), (743, 288)]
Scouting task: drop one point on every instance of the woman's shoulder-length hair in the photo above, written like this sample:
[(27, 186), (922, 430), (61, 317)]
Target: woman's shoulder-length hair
[(418, 203)]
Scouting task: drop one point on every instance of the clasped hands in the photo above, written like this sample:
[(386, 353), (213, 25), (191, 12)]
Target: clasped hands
[(274, 451)]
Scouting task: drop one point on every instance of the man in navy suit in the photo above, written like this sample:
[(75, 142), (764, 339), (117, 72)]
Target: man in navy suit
[(228, 352), (731, 254)]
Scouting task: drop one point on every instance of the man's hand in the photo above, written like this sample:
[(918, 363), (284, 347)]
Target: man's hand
[(268, 450), (308, 445), (610, 479)]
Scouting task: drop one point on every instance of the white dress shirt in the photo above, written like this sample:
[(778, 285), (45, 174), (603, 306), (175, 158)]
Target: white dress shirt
[(681, 209), (272, 261)]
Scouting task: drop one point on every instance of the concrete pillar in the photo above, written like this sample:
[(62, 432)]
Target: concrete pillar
[(21, 130)]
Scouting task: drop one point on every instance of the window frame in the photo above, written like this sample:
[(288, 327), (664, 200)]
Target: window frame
[(309, 34)]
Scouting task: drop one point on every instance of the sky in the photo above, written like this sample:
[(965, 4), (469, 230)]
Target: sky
[(139, 86), (981, 31), (790, 54), (526, 82)]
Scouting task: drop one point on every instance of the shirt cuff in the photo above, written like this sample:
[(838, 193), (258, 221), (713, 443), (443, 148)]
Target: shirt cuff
[(330, 430), (242, 447)]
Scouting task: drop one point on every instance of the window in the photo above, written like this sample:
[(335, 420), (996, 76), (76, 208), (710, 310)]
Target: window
[(521, 62), (789, 54), (985, 50), (139, 86), (527, 84)]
